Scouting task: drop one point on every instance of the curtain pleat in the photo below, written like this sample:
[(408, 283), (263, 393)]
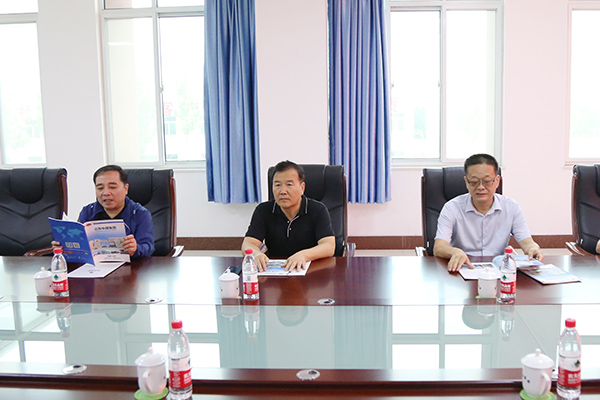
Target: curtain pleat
[(358, 98), (231, 108)]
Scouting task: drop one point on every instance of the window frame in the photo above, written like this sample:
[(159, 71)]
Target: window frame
[(443, 6), (575, 5), (23, 18), (155, 13)]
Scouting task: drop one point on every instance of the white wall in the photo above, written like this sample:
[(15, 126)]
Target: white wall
[(292, 75)]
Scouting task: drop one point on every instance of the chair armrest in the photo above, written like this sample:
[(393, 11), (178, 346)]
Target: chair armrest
[(176, 251), (577, 250), (421, 251), (349, 249), (39, 252)]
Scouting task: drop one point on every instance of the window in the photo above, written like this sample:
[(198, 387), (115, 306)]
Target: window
[(21, 122), (584, 130), (154, 74), (446, 79)]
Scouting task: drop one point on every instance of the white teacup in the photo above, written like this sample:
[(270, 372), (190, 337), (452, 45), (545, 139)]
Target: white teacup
[(43, 283), (152, 372), (537, 373), (230, 285), (487, 283)]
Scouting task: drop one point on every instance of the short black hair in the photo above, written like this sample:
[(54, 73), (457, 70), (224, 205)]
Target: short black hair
[(285, 165), (112, 167), (481, 158)]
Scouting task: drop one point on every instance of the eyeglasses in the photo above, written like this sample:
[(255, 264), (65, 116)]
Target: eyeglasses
[(485, 182)]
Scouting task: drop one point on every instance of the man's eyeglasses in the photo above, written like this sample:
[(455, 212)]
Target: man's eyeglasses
[(484, 182)]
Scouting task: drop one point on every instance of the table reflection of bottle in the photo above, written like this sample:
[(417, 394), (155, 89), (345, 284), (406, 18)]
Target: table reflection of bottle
[(251, 318), (507, 320), (63, 319)]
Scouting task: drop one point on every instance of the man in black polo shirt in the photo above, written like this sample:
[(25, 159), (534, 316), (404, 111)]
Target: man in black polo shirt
[(292, 226)]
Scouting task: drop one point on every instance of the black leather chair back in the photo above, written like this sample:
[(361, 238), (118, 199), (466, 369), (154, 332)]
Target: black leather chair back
[(439, 185), (327, 184), (28, 196), (155, 190), (585, 216)]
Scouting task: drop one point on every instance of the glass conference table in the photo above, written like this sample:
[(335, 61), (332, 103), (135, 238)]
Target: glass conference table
[(442, 341)]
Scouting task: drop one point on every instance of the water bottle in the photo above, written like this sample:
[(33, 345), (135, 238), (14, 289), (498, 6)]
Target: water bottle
[(180, 369), (569, 362), (63, 319), (250, 276), (60, 281), (508, 278), (252, 319), (507, 320)]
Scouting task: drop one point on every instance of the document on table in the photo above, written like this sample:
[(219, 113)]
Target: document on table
[(274, 268), (470, 274), (100, 270), (522, 260), (549, 274)]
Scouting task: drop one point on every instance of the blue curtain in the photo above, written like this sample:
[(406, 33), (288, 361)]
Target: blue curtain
[(358, 97), (230, 102)]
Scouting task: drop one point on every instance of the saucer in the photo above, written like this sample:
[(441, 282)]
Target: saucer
[(139, 395), (548, 396)]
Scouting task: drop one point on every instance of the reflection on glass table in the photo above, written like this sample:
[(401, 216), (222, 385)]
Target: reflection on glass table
[(326, 337)]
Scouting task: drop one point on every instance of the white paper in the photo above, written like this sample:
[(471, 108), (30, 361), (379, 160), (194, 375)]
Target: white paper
[(100, 270), (274, 269), (471, 274)]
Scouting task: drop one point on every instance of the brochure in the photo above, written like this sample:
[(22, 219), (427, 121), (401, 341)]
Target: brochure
[(549, 274), (92, 242), (274, 268), (522, 260), (471, 274)]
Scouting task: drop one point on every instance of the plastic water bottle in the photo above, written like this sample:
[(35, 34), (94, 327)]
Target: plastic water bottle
[(250, 276), (569, 362), (180, 369), (60, 280), (252, 319), (508, 278)]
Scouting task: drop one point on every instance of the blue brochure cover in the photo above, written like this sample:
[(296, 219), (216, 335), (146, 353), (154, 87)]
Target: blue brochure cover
[(92, 242)]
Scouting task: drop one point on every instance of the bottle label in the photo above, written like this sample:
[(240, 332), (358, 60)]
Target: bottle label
[(60, 283), (508, 283), (180, 373), (569, 371), (250, 287)]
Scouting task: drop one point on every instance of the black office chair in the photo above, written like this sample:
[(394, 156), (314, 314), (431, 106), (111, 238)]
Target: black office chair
[(327, 184), (438, 186), (155, 190), (28, 196), (585, 209)]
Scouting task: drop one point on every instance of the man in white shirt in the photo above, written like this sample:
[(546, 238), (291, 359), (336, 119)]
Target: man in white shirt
[(480, 222)]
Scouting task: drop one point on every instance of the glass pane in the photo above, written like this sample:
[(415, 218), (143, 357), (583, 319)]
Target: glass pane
[(21, 122), (108, 4), (132, 89), (176, 3), (584, 139), (463, 356), (415, 356), (44, 351), (428, 317), (16, 7), (470, 83), (183, 87), (415, 93)]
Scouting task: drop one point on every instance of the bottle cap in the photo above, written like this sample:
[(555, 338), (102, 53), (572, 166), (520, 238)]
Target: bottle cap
[(57, 250), (570, 323), (176, 324), (508, 250), (248, 251)]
